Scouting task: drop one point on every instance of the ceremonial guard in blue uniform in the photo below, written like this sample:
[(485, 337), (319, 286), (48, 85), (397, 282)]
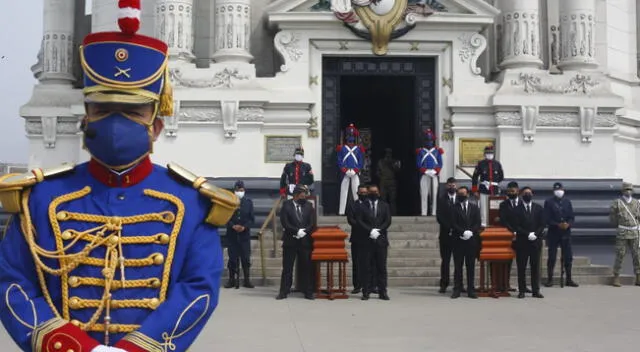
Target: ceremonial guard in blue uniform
[(294, 173), (429, 162), (239, 239), (350, 160), (116, 254), (559, 216), (486, 180)]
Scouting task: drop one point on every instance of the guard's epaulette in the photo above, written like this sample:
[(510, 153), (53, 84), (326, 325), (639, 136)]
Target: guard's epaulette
[(224, 202), (12, 185)]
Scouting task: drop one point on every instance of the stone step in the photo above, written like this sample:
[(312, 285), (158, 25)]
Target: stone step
[(626, 280), (418, 272), (404, 261)]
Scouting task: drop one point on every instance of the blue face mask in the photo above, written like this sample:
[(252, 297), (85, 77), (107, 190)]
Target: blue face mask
[(118, 141), (351, 139), (429, 144)]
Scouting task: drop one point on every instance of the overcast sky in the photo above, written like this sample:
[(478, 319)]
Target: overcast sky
[(20, 33)]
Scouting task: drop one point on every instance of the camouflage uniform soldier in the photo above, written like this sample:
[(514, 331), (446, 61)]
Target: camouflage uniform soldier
[(386, 170), (625, 214)]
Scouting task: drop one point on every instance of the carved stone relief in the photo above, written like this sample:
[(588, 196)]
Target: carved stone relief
[(229, 109), (229, 114), (473, 45), (559, 119), (49, 127), (529, 121), (288, 45), (578, 84), (174, 23), (222, 79), (171, 122), (520, 36), (233, 31)]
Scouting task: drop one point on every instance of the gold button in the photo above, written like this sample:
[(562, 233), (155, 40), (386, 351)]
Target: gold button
[(168, 217), (75, 322), (57, 345), (155, 283), (154, 302), (74, 303), (113, 239), (74, 281), (67, 235), (62, 215), (163, 238), (158, 259), (106, 272), (70, 350)]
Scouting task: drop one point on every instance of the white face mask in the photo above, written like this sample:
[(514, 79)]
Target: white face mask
[(489, 156), (240, 194), (558, 193), (298, 157)]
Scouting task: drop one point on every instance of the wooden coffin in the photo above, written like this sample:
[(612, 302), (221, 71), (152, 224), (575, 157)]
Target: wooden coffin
[(329, 244), (496, 244)]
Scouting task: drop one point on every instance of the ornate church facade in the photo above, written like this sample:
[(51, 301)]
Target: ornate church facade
[(552, 83)]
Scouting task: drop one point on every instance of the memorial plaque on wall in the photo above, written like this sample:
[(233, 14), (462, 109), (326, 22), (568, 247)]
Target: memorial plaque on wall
[(472, 150), (280, 149)]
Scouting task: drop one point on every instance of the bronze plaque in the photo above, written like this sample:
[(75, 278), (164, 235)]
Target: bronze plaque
[(280, 149), (472, 150)]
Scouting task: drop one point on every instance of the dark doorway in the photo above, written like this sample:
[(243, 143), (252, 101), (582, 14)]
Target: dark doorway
[(393, 97), (382, 108)]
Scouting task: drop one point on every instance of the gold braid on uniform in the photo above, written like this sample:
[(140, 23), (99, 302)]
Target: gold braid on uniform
[(109, 235)]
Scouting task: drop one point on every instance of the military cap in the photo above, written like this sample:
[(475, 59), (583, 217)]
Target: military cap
[(238, 184), (125, 67), (489, 149), (299, 150), (300, 188), (557, 185), (627, 186)]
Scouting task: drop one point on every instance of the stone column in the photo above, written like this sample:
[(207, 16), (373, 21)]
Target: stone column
[(204, 29), (520, 46), (577, 35), (174, 25), (233, 29), (57, 42)]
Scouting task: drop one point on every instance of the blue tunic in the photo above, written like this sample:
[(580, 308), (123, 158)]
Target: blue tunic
[(172, 260)]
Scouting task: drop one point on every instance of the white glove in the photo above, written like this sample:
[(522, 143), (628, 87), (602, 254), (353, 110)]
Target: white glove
[(291, 188), (431, 172), (486, 183), (301, 233), (374, 234), (467, 235), (532, 236), (350, 173), (103, 348)]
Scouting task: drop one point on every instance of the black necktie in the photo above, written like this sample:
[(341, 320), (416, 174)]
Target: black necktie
[(528, 209), (513, 203), (451, 201), (299, 212), (464, 207)]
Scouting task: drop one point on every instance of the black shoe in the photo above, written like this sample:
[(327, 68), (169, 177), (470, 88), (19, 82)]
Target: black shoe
[(528, 290), (442, 290), (521, 295), (374, 291), (230, 283), (248, 284), (455, 294), (365, 297), (384, 296), (549, 283), (537, 295), (511, 289), (281, 296), (571, 283), (356, 291), (309, 296), (472, 295)]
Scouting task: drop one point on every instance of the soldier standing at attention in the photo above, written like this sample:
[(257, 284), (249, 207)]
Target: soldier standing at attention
[(116, 254), (239, 239), (559, 217), (294, 173), (625, 215), (485, 181), (386, 171)]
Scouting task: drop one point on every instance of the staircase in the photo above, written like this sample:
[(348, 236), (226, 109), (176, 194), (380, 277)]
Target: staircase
[(414, 257)]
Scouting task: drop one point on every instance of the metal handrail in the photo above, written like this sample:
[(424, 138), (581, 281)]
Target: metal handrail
[(271, 219), (464, 171)]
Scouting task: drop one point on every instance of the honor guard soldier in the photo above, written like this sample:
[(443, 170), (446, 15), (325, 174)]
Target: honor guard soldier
[(116, 254), (485, 181), (429, 162), (294, 173), (350, 160), (239, 239), (559, 216)]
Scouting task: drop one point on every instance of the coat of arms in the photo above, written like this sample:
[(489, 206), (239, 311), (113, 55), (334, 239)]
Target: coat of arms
[(380, 21)]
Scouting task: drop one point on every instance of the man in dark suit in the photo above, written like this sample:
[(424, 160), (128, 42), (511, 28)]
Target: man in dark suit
[(239, 238), (298, 219), (356, 233), (374, 220), (529, 225), (445, 240), (559, 217), (508, 216), (466, 226)]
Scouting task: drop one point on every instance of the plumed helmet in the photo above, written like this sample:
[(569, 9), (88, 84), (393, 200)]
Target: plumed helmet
[(351, 130), (429, 136)]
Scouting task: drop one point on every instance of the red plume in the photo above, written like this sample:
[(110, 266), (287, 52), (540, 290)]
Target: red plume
[(129, 16)]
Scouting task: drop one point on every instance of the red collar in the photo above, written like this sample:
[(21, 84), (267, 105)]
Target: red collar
[(127, 179)]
